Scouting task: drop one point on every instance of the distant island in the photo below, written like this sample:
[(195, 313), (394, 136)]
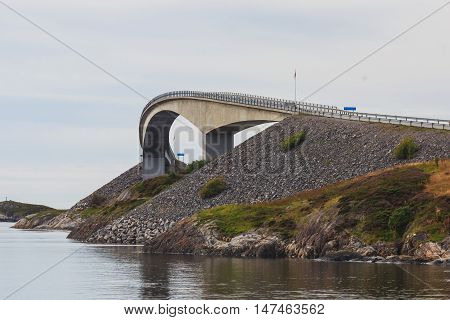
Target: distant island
[(12, 211)]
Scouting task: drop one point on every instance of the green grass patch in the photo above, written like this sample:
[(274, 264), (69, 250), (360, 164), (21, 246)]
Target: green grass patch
[(406, 149), (293, 141), (213, 188), (232, 220)]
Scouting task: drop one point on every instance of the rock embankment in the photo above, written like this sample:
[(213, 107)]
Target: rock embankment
[(190, 237), (259, 170), (36, 221)]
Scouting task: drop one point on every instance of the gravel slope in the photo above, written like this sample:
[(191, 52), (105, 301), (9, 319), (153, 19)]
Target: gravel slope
[(259, 170)]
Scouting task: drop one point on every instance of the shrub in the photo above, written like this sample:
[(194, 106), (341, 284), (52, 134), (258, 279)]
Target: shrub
[(293, 141), (212, 188), (406, 149), (399, 220), (195, 165)]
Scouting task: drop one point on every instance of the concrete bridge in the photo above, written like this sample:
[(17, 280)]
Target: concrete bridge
[(219, 115)]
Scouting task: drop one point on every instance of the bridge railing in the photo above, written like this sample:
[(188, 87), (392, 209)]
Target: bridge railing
[(296, 107), (246, 99)]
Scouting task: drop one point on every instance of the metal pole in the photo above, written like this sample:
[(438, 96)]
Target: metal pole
[(295, 85)]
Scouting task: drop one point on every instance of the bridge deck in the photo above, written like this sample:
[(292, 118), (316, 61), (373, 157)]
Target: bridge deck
[(299, 107)]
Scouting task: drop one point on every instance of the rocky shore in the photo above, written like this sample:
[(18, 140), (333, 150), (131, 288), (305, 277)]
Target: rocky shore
[(189, 237)]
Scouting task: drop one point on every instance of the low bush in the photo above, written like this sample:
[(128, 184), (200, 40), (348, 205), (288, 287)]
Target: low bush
[(195, 165), (293, 141), (406, 149), (212, 188), (399, 220)]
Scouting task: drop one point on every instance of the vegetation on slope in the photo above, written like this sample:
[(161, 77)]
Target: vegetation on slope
[(195, 165), (212, 188), (386, 205), (293, 141), (406, 149)]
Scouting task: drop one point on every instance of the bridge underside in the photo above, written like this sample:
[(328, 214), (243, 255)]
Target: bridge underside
[(217, 122)]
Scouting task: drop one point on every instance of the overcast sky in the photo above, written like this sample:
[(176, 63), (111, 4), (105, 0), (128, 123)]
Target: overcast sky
[(67, 128)]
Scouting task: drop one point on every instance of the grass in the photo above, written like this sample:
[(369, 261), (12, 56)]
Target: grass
[(439, 180), (386, 205), (151, 187), (293, 141), (212, 188), (114, 211), (406, 149)]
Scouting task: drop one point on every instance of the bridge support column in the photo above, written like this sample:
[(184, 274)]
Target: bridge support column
[(218, 142), (158, 158), (153, 166)]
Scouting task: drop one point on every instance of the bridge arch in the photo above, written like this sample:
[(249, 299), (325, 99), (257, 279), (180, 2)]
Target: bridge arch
[(218, 121)]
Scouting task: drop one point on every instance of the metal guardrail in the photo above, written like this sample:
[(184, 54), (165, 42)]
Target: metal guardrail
[(293, 107)]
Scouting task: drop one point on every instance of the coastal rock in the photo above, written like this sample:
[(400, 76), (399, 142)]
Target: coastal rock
[(419, 246), (428, 251), (32, 221), (189, 237), (342, 255)]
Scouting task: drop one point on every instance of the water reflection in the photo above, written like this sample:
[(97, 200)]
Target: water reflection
[(188, 277), (110, 272)]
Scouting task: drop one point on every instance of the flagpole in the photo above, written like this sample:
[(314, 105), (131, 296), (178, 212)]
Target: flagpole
[(295, 85)]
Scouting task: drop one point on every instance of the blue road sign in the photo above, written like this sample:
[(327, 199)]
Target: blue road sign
[(349, 108), (180, 154)]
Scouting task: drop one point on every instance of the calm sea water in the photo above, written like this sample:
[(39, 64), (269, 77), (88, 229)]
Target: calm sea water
[(110, 272)]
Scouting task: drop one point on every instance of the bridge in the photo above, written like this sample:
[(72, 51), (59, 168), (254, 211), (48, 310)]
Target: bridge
[(220, 115)]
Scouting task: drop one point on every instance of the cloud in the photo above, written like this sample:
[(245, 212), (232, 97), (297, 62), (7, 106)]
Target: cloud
[(57, 111)]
